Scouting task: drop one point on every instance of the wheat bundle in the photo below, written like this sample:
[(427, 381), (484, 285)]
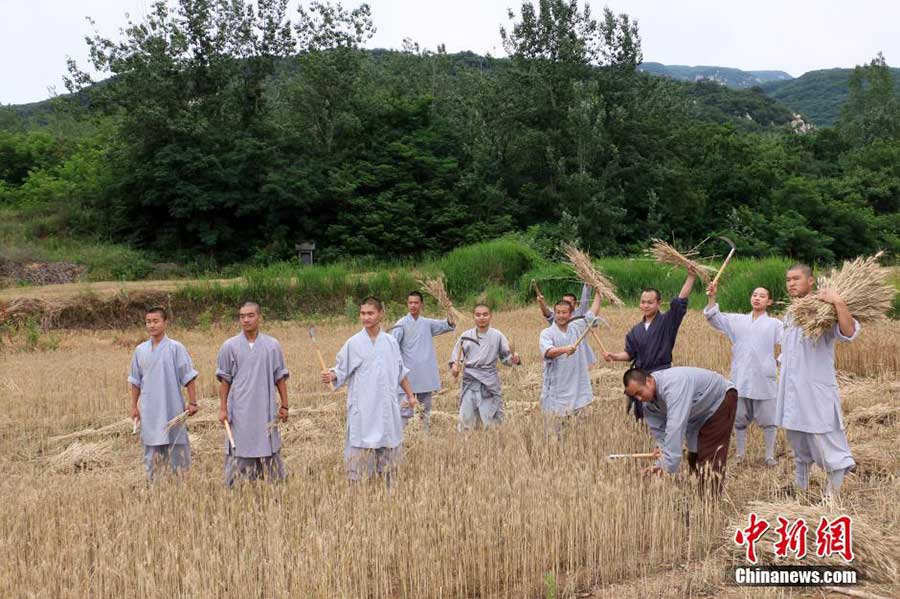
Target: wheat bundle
[(435, 288), (176, 421), (875, 557), (876, 459), (585, 270), (82, 456), (861, 283), (116, 428), (667, 254), (882, 414)]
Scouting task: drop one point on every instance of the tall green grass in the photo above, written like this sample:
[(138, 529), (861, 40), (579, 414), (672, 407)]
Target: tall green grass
[(469, 271), (633, 275)]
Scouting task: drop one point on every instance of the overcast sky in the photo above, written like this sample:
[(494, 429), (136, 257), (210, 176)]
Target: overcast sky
[(790, 35)]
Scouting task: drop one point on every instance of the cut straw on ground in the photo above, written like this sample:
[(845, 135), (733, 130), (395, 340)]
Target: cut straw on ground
[(585, 270), (862, 283), (664, 253)]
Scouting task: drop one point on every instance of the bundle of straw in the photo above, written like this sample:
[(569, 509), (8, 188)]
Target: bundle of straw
[(667, 254), (875, 557), (82, 456), (435, 288), (863, 285), (177, 420), (585, 270)]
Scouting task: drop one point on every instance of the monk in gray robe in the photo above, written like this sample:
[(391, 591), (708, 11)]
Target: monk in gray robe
[(476, 354), (414, 333), (160, 367), (579, 307), (250, 368), (566, 387), (753, 366), (371, 366), (691, 405), (808, 405)]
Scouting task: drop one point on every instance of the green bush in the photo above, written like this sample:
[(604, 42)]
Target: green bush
[(471, 269)]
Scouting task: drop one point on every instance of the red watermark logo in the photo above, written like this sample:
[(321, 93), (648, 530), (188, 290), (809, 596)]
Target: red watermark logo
[(832, 537)]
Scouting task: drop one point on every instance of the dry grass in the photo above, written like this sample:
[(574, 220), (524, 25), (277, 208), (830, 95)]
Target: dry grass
[(862, 283), (667, 254), (585, 270), (506, 513)]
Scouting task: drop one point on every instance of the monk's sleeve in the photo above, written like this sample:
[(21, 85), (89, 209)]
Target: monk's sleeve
[(677, 310), (843, 338), (505, 354), (136, 376), (185, 366), (343, 367), (454, 355), (224, 365), (678, 409), (631, 345), (719, 321), (546, 342), (397, 332), (439, 327), (279, 368)]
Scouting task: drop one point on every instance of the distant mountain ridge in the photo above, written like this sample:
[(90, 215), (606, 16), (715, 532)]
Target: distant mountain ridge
[(817, 95), (727, 76)]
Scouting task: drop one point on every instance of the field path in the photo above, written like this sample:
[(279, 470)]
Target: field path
[(101, 289)]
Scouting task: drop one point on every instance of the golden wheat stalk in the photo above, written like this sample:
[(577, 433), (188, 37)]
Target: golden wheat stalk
[(586, 271), (862, 283), (177, 420), (667, 254), (435, 288)]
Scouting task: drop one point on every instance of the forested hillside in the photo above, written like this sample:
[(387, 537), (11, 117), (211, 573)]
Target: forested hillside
[(226, 135)]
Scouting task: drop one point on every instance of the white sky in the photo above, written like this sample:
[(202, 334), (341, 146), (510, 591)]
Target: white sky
[(790, 35)]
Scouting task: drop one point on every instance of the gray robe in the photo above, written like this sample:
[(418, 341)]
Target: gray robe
[(480, 387), (807, 396), (685, 399), (567, 383), (417, 348), (160, 374), (372, 372), (252, 399), (753, 363)]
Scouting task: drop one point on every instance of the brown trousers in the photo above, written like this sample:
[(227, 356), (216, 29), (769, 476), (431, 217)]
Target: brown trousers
[(712, 443)]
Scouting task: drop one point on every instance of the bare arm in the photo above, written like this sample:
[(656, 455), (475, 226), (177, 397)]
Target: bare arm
[(845, 319), (555, 352), (281, 385), (595, 305), (135, 394), (542, 303), (192, 397), (224, 388), (688, 285), (620, 356), (711, 291), (410, 396)]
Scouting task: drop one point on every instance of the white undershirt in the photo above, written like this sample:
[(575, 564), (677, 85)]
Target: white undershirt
[(646, 325), (251, 344)]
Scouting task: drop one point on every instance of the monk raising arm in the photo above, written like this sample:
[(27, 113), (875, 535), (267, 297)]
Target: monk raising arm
[(688, 284)]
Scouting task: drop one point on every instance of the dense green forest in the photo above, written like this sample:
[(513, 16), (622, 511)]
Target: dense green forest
[(228, 132), (818, 95)]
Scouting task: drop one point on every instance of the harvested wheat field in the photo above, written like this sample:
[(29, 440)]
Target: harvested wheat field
[(503, 513)]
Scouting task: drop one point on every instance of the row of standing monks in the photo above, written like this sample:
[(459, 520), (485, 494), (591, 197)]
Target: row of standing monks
[(389, 374)]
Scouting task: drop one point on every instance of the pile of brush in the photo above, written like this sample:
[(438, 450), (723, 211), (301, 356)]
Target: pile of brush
[(862, 283), (585, 270)]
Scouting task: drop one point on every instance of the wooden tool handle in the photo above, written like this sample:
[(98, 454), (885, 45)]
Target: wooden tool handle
[(230, 436), (322, 364), (721, 268), (597, 339), (622, 456)]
